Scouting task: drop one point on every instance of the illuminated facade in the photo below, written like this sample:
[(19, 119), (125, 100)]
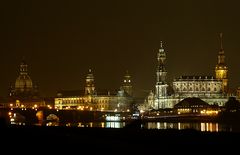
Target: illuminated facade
[(221, 69), (24, 94), (90, 99), (161, 84), (207, 88)]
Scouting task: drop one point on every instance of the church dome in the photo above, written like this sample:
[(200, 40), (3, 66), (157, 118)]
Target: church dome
[(23, 82)]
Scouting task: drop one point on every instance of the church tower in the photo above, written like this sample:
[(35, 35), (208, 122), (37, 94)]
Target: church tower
[(127, 85), (161, 84), (89, 87), (221, 68)]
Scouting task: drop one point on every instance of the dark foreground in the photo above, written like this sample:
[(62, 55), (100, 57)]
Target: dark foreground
[(129, 140)]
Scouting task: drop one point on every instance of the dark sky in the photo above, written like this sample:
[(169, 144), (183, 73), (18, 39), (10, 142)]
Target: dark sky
[(61, 40)]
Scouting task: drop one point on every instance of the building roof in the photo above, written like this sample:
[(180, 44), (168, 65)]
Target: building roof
[(191, 101), (195, 78), (70, 93), (74, 93)]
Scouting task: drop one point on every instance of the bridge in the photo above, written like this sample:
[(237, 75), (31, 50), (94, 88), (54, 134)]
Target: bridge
[(36, 116)]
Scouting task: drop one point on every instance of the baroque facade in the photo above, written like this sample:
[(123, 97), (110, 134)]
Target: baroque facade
[(91, 99), (210, 89)]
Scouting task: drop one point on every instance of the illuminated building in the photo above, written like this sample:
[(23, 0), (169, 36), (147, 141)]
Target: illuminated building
[(208, 88), (221, 68), (24, 94), (195, 105), (211, 90), (161, 84), (91, 99)]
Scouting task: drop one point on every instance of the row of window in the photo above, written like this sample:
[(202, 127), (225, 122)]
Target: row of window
[(196, 89), (196, 83), (84, 101)]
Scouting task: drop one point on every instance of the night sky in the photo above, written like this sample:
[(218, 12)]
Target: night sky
[(61, 40)]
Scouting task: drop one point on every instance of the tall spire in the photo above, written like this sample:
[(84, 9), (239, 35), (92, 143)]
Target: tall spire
[(161, 44), (221, 41), (221, 56), (161, 58), (221, 70), (161, 84)]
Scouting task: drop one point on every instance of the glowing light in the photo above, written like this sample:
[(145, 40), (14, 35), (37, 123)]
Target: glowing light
[(113, 118), (11, 105), (115, 110), (209, 112)]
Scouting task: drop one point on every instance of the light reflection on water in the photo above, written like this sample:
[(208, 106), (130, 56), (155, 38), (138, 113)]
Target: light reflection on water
[(206, 126), (99, 124), (212, 127)]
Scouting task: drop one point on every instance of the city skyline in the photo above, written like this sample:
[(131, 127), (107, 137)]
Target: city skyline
[(61, 41)]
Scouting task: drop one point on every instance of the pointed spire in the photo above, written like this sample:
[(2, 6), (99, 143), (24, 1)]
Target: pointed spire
[(161, 49), (23, 60), (127, 72), (221, 41)]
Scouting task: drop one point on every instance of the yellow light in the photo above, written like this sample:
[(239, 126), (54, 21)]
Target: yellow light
[(11, 105), (35, 106), (115, 110), (128, 110), (91, 108), (9, 113)]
